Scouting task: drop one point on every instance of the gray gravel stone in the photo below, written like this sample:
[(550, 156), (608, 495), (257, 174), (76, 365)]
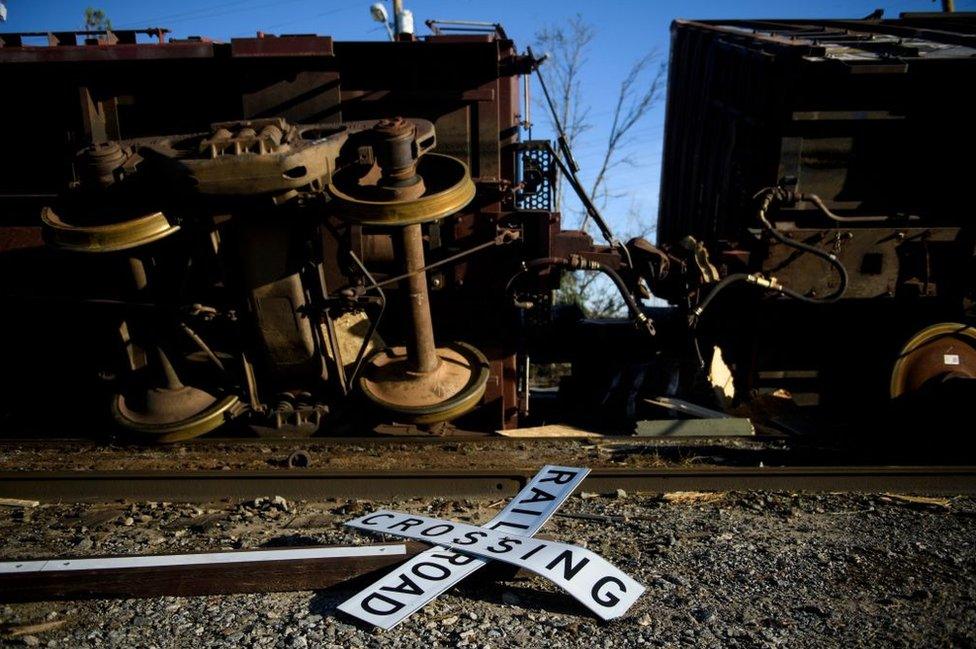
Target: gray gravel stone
[(742, 570)]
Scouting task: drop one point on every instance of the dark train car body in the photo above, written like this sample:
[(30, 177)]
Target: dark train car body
[(64, 92), (873, 116)]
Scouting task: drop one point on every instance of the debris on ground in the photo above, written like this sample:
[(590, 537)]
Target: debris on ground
[(692, 497), (919, 501)]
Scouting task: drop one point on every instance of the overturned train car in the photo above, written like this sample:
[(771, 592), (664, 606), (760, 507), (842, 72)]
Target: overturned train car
[(292, 233), (826, 163)]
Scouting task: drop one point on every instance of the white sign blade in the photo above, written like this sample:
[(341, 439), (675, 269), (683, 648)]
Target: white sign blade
[(591, 579), (405, 590), (195, 559)]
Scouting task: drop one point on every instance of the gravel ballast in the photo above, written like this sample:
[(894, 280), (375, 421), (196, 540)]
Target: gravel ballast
[(722, 570)]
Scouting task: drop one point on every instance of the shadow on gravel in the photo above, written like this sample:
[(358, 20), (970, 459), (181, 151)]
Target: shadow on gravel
[(325, 602), (525, 597), (291, 540)]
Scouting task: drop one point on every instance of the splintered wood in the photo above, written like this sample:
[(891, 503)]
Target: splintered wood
[(692, 497)]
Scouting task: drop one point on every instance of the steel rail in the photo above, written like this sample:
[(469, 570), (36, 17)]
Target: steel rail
[(307, 484), (302, 442)]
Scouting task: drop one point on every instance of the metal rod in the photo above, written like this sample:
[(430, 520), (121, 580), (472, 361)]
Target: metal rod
[(374, 323), (420, 347)]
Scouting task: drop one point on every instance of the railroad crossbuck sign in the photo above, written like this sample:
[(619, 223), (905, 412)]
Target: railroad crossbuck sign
[(589, 578), (404, 591)]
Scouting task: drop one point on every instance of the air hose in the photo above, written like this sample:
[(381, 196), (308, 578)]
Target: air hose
[(576, 262), (772, 196)]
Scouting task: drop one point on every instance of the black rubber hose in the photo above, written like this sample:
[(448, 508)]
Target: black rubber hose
[(634, 308), (636, 313), (712, 294), (773, 195)]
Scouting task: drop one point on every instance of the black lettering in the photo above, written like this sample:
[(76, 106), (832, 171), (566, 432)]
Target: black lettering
[(507, 544), (558, 476), (366, 521), (406, 524), (470, 538), (526, 511), (539, 496), (444, 572), (569, 570), (532, 551), (430, 530), (407, 587), (368, 607), (454, 558), (518, 526), (607, 599)]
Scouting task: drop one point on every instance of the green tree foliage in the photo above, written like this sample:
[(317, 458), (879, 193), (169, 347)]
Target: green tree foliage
[(96, 20)]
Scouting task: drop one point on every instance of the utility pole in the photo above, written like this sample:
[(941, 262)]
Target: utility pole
[(398, 16), (402, 19), (948, 6)]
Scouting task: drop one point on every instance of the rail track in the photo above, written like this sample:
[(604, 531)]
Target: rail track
[(209, 486)]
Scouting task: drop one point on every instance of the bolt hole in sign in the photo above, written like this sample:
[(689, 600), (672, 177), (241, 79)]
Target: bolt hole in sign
[(593, 581), (402, 592)]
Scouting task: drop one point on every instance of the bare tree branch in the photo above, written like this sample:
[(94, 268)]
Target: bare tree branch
[(632, 105), (566, 46), (639, 91)]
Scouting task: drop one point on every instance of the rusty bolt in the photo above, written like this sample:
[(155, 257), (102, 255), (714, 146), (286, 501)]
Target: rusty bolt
[(393, 127)]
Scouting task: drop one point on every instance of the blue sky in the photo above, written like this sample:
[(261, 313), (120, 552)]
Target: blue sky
[(624, 31)]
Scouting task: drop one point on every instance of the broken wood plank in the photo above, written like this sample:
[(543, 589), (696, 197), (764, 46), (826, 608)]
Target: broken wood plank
[(99, 516), (692, 497), (554, 430), (919, 502), (686, 407), (726, 427), (17, 630), (197, 573), (18, 502)]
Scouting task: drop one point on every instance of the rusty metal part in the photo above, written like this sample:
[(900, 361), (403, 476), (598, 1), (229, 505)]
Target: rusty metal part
[(418, 383), (257, 156), (396, 155), (172, 411), (937, 354), (105, 237), (206, 486), (208, 413), (421, 350), (98, 162), (452, 388), (448, 189), (248, 157)]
